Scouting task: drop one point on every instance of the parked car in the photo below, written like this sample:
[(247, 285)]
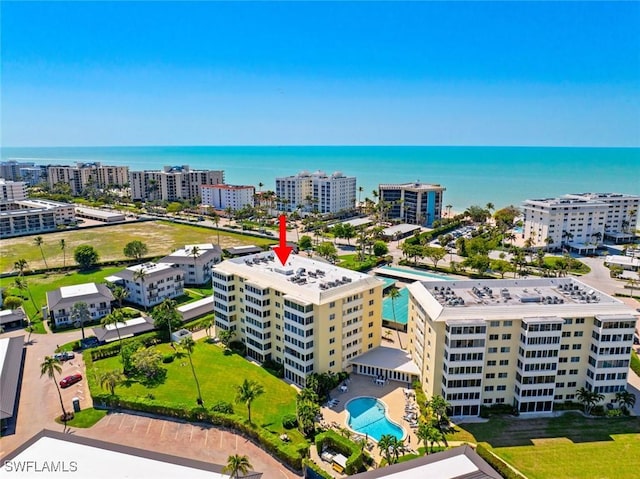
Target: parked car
[(64, 356), (70, 380)]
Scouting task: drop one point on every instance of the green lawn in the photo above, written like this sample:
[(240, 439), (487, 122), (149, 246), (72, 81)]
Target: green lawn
[(39, 284), (85, 418), (351, 261), (161, 237), (577, 266), (569, 446), (219, 374)]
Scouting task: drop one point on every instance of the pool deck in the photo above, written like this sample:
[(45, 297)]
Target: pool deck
[(391, 394)]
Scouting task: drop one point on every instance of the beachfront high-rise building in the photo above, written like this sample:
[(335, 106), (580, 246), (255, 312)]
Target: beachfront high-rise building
[(12, 190), (622, 214), (172, 183), (581, 221), (222, 197), (84, 175), (310, 316), (415, 203), (527, 343), (316, 192), (10, 169)]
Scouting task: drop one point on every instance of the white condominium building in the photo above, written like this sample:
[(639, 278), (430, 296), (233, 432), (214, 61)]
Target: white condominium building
[(578, 220), (308, 315), (172, 183), (195, 261), (527, 343), (414, 203), (622, 212), (222, 197), (84, 175), (10, 169), (149, 284), (12, 190), (316, 192), (33, 216)]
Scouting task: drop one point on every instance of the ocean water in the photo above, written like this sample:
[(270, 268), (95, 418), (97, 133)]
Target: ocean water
[(471, 175)]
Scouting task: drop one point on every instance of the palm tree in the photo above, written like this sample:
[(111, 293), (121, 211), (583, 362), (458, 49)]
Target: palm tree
[(632, 283), (448, 207), (188, 344), (216, 221), (22, 285), (195, 252), (237, 465), (141, 274), (387, 447), (80, 314), (30, 329), (166, 311), (589, 399), (20, 265), (625, 400), (110, 379), (247, 392), (50, 366), (120, 293), (39, 242), (114, 319), (63, 247), (394, 293), (426, 434)]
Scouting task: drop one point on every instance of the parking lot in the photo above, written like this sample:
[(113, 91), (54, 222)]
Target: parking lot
[(193, 441)]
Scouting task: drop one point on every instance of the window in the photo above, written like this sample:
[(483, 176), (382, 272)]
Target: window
[(504, 362), (494, 324), (491, 363), (564, 347), (575, 359), (488, 388), (566, 334), (572, 384), (332, 340), (573, 371), (564, 360), (492, 350), (332, 352), (490, 375), (332, 304), (332, 316), (332, 329), (579, 320), (506, 337), (332, 364), (508, 323), (576, 346), (505, 349), (493, 337), (371, 324), (371, 301), (502, 375), (501, 387), (577, 334)]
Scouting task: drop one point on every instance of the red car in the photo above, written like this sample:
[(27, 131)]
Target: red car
[(69, 380)]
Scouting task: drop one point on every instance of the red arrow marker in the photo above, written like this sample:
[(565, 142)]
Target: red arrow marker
[(283, 251)]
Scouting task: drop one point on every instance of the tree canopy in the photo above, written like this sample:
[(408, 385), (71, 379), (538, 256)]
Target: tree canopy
[(86, 256), (135, 249)]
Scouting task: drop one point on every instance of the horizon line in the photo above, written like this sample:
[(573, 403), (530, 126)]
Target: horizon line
[(373, 145)]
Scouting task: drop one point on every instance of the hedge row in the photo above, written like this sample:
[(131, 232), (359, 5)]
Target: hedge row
[(319, 472), (498, 464), (421, 399), (356, 457), (288, 453), (635, 363)]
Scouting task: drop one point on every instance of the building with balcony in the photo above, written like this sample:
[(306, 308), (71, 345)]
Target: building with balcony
[(581, 222), (172, 183), (195, 261), (10, 169), (310, 316), (60, 302), (528, 343), (414, 203), (12, 190), (222, 197), (316, 191), (33, 216), (149, 284), (84, 175)]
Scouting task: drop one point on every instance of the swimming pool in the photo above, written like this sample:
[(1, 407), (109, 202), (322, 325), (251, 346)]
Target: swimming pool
[(391, 269), (367, 415)]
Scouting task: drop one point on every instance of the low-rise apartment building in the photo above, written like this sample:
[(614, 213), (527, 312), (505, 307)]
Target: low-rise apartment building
[(527, 343), (33, 216), (60, 302), (149, 284), (310, 316), (195, 261)]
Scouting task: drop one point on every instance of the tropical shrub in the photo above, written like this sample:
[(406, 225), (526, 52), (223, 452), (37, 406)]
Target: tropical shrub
[(289, 421), (223, 407)]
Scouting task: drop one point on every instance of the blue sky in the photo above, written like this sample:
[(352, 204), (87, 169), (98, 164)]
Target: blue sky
[(293, 73)]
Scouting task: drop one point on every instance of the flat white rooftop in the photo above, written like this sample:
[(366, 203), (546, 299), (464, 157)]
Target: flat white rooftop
[(78, 290), (307, 279), (450, 468), (129, 322), (392, 359), (496, 299), (150, 267), (187, 251)]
